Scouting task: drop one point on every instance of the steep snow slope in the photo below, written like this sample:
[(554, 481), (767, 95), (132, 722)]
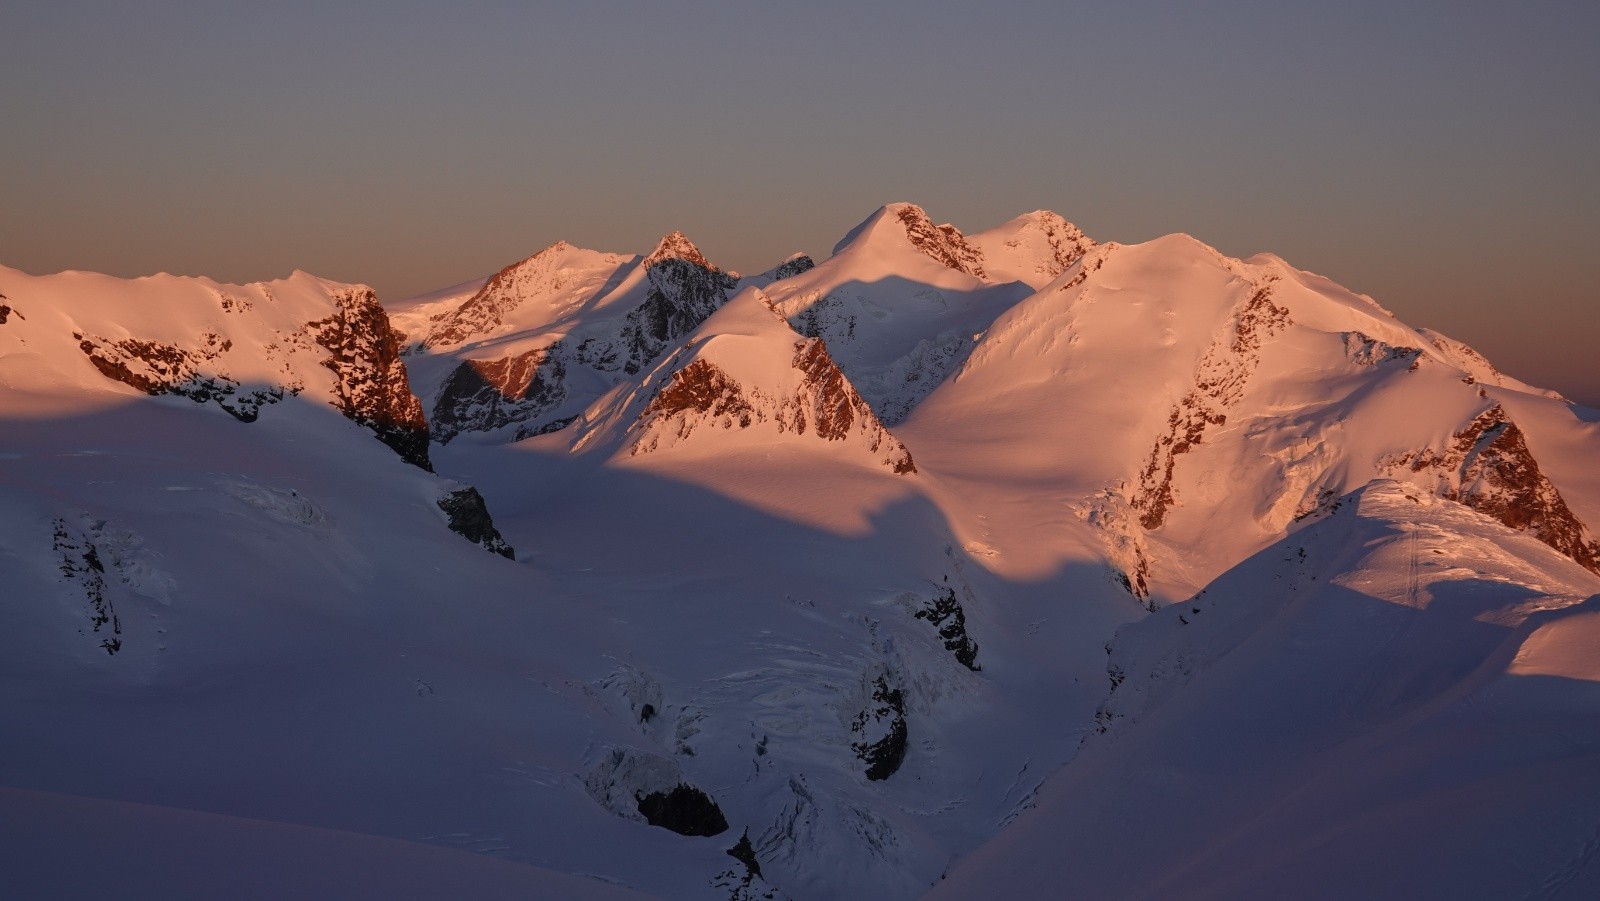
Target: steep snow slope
[(1192, 407), (1034, 248), (745, 371), (899, 302), (1391, 703), (544, 337)]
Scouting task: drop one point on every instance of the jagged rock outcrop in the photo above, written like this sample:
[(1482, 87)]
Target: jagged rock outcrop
[(469, 518), (636, 785), (1034, 248), (6, 309), (370, 383), (943, 243), (789, 268), (1218, 384), (483, 395), (81, 565), (946, 614), (683, 809), (1368, 351), (157, 368), (684, 289), (1487, 466), (821, 402), (882, 731)]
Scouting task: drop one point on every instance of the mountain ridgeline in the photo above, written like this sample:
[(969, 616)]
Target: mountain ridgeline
[(880, 573)]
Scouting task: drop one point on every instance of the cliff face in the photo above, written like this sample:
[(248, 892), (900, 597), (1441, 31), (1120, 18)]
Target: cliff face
[(370, 384), (260, 351), (684, 289), (483, 395), (944, 243), (812, 399), (1487, 466)]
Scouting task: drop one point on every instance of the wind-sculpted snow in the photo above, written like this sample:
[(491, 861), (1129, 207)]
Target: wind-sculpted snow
[(1299, 727)]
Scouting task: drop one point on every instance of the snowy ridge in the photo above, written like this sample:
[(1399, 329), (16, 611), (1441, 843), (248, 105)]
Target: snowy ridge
[(747, 369), (1034, 248)]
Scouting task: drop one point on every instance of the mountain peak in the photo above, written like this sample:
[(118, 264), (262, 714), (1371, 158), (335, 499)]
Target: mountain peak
[(910, 223), (1032, 248), (677, 246)]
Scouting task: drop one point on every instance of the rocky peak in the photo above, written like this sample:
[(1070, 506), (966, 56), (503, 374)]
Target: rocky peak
[(484, 311), (811, 396), (943, 243), (684, 289), (371, 387), (677, 246), (1487, 466)]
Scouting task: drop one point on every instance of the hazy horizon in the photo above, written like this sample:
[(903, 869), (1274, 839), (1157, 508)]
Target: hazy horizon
[(1437, 158)]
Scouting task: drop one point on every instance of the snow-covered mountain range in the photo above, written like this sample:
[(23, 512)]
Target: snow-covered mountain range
[(1004, 564)]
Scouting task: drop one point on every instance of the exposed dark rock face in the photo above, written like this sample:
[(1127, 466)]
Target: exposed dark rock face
[(1369, 351), (483, 395), (684, 289), (684, 809), (554, 425), (701, 387), (469, 518), (831, 404), (791, 267), (1219, 384), (826, 319), (371, 387), (81, 564), (825, 403), (1488, 467), (745, 854), (742, 886), (882, 727), (946, 614), (944, 243), (6, 310), (156, 368), (1067, 243)]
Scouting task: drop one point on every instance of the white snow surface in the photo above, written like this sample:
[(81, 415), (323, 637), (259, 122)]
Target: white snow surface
[(1231, 635)]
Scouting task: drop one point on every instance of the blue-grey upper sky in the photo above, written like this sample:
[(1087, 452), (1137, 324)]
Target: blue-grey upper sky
[(1441, 157)]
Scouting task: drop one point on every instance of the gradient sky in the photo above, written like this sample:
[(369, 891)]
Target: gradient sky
[(1441, 157)]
